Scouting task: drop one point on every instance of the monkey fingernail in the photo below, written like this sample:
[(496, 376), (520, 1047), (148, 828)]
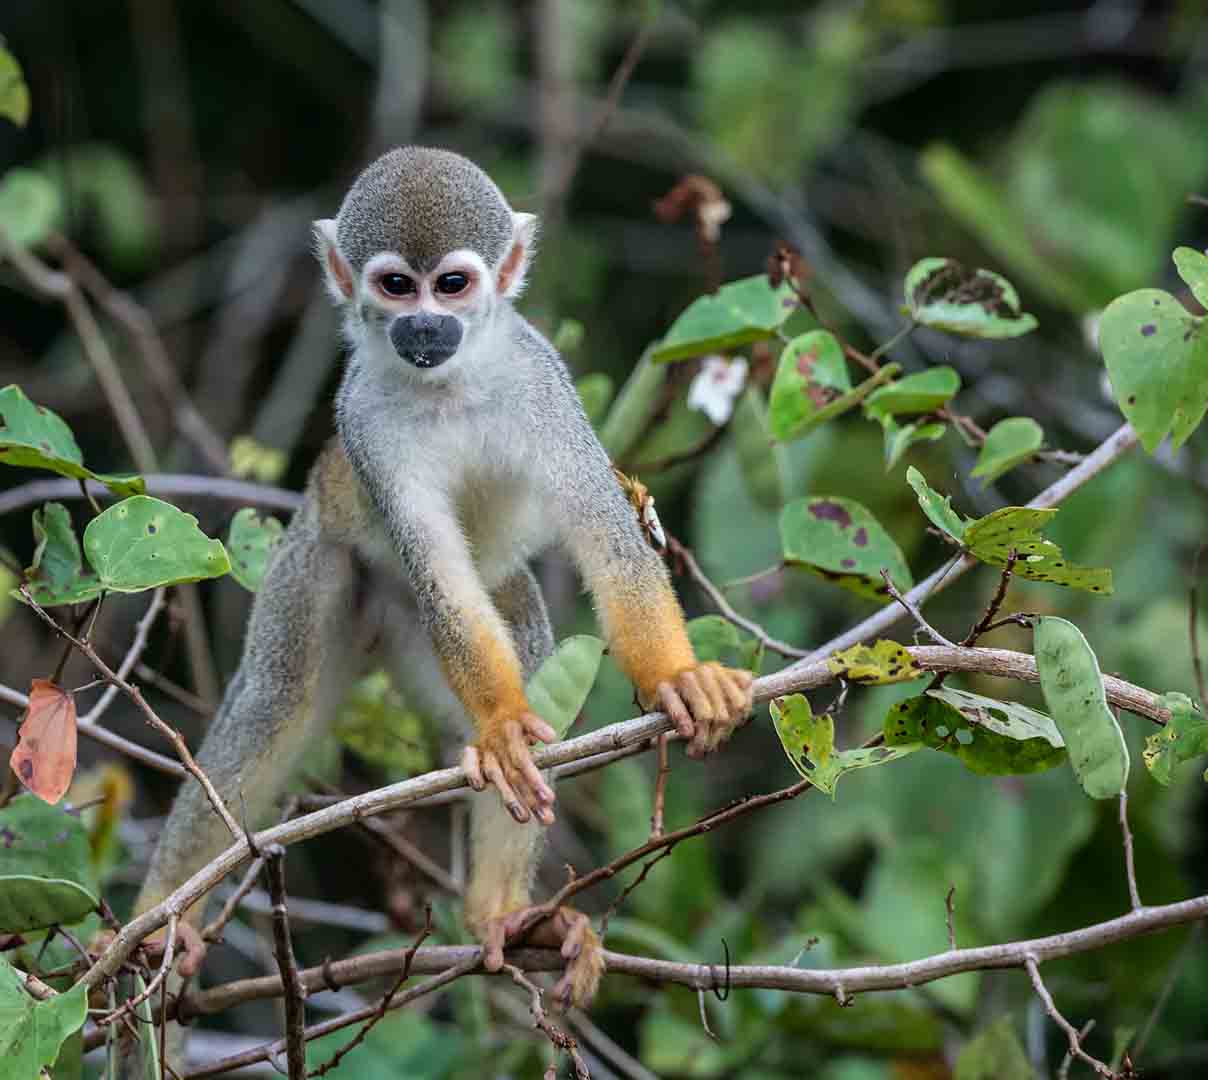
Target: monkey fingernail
[(518, 812)]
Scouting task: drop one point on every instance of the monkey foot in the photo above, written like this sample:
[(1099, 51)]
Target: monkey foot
[(188, 952), (567, 930), (706, 704)]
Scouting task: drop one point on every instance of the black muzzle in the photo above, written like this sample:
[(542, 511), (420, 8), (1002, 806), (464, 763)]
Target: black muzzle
[(426, 340)]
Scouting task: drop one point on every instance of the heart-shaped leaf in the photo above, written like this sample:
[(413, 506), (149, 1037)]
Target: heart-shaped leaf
[(1183, 738), (1073, 690), (1009, 443), (923, 392), (881, 662), (945, 295), (143, 543), (1156, 354), (809, 744), (45, 757), (561, 684), (250, 544), (738, 313), (841, 541)]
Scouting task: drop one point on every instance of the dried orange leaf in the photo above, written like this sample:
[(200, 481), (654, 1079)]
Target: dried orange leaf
[(45, 757)]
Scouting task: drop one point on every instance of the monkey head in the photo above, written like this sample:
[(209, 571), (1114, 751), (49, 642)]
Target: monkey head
[(422, 252)]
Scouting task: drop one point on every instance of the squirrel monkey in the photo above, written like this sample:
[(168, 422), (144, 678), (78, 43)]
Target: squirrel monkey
[(462, 452)]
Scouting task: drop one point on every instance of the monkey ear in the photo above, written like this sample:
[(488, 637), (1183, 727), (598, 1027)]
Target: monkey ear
[(336, 271), (513, 270)]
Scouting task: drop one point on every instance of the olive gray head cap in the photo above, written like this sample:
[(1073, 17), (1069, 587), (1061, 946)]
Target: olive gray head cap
[(423, 203)]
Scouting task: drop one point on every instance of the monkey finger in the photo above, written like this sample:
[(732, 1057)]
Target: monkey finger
[(536, 781), (710, 678), (738, 695), (694, 694), (471, 761), (537, 728), (494, 773), (527, 794), (673, 705)]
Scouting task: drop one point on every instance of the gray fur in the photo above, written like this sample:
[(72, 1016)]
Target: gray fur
[(423, 203)]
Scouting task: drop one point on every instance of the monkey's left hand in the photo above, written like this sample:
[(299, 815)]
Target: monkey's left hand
[(501, 756), (706, 703)]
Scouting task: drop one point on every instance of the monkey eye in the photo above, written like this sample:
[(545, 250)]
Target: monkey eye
[(452, 283), (396, 284)]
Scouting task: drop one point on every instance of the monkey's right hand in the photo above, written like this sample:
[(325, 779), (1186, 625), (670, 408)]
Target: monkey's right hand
[(501, 756)]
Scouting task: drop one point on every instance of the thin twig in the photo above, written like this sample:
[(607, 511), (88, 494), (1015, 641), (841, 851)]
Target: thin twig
[(283, 949), (141, 631), (165, 965), (1071, 1033), (212, 932), (1130, 866), (557, 1037), (914, 612), (1063, 1070), (723, 605), (149, 714), (1193, 625), (660, 785), (950, 916), (996, 601), (411, 854), (170, 485), (704, 1013)]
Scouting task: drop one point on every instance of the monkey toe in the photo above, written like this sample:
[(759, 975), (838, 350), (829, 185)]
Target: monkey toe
[(569, 931)]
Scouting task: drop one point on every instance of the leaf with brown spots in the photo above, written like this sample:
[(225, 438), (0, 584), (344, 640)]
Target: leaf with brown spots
[(945, 295), (45, 757), (881, 662), (993, 537)]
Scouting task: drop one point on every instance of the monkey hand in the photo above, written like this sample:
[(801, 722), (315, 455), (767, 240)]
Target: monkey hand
[(501, 756), (567, 930), (706, 703)]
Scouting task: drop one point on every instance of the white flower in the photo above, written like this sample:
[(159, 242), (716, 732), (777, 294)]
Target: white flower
[(717, 386)]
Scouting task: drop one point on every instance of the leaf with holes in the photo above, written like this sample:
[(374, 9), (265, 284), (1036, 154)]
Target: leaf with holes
[(809, 743), (881, 662), (45, 757), (1073, 690), (937, 508), (14, 92), (945, 295), (143, 543), (901, 437), (841, 541), (33, 1032), (987, 736), (992, 538), (1183, 738), (561, 684), (923, 392), (250, 544), (33, 436), (1009, 443), (46, 876), (1156, 354), (759, 458), (737, 314)]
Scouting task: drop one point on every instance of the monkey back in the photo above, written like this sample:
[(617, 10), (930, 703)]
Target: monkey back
[(423, 203)]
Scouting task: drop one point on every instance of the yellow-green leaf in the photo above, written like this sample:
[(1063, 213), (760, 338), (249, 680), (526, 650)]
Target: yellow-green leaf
[(881, 662)]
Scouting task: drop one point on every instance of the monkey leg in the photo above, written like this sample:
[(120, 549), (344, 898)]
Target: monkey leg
[(298, 659)]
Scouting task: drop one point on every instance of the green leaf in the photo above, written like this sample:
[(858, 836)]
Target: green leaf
[(1156, 354), (987, 736), (994, 1054), (14, 93), (809, 743), (633, 408), (143, 543), (1073, 690), (758, 456), (938, 509), (251, 542), (1009, 443), (1192, 266), (881, 662), (841, 541), (57, 563), (1183, 738), (945, 295), (30, 207), (737, 314), (992, 538), (681, 433), (561, 684), (595, 392), (32, 1032), (718, 639), (33, 436), (812, 385), (921, 393), (46, 877), (569, 335), (147, 1048), (901, 437), (376, 723)]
